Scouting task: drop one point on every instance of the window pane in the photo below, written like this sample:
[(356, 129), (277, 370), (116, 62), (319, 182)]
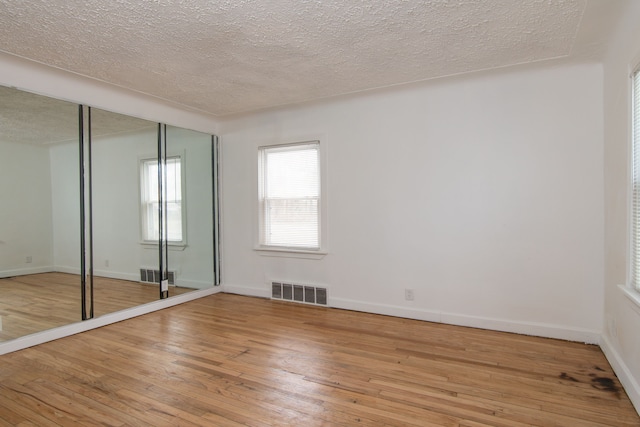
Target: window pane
[(174, 221), (292, 174), (150, 217), (290, 196), (292, 222), (151, 180), (174, 184)]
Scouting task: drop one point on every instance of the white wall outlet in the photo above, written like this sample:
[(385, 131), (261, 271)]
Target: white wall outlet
[(409, 294), (106, 263), (29, 259), (164, 285)]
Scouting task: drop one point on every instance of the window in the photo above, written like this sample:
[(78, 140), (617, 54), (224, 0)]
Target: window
[(150, 203), (635, 202), (289, 196)]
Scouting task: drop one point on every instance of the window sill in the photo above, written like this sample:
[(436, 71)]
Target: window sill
[(631, 293), (289, 253), (172, 246)]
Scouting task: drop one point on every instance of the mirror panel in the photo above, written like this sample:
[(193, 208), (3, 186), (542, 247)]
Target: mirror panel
[(189, 158), (119, 146), (39, 217)]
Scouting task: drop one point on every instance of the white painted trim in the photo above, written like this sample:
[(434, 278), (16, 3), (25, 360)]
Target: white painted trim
[(504, 325), (385, 309), (632, 294), (132, 277), (247, 291), (192, 284), (25, 271), (546, 330), (107, 319), (292, 139), (66, 269), (631, 386), (289, 253), (537, 329)]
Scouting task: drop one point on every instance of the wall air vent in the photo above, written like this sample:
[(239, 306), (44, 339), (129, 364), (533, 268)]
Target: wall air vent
[(148, 275), (299, 293)]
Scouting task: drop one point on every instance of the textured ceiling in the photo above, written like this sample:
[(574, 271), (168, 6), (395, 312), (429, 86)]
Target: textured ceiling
[(34, 119), (229, 56)]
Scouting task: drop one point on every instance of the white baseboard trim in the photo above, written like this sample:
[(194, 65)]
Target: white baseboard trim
[(132, 277), (385, 309), (135, 277), (246, 290), (504, 325), (537, 329), (66, 269), (75, 328), (630, 384), (193, 284), (545, 330), (25, 271)]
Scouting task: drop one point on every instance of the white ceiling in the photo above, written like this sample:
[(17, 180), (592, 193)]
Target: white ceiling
[(231, 56)]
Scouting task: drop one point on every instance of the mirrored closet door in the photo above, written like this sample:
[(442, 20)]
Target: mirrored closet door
[(39, 213), (189, 255), (119, 248), (101, 212)]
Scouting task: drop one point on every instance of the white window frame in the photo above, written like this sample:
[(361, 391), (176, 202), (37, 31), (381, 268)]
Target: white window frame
[(144, 202), (635, 181), (288, 251), (632, 288)]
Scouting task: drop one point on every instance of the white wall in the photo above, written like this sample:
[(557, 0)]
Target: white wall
[(25, 212), (621, 337), (483, 194)]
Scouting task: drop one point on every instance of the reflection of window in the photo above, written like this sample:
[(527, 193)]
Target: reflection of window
[(150, 203), (289, 196)]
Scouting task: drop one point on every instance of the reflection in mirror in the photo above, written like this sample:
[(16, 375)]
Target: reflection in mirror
[(124, 193), (40, 215), (190, 252), (39, 189)]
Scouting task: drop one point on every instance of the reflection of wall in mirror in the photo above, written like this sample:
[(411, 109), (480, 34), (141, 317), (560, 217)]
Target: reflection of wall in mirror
[(65, 212), (118, 252), (26, 232)]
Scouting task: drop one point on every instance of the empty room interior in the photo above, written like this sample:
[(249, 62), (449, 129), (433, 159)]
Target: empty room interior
[(296, 212)]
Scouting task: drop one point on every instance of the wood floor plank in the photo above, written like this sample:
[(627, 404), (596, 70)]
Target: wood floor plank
[(228, 360)]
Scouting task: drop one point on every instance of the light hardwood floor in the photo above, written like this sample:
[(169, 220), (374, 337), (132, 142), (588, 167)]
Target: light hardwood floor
[(37, 302), (228, 360)]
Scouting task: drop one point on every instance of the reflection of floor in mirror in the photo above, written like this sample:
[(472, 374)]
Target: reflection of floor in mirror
[(36, 302)]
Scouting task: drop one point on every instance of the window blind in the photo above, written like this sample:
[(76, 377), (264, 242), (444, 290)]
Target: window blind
[(289, 196), (150, 203), (635, 232)]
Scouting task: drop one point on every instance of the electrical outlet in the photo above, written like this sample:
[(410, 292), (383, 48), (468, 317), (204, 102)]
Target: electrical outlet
[(106, 263), (29, 259), (409, 294)]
